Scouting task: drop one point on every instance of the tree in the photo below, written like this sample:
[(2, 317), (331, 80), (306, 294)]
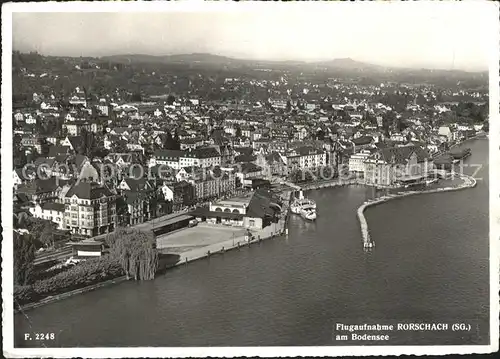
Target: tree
[(300, 105), (486, 126), (19, 157), (47, 235), (32, 155), (326, 172), (170, 100), (170, 142), (401, 125), (136, 251), (122, 211), (238, 132), (298, 176), (88, 143), (136, 97), (176, 141), (100, 152), (421, 100), (120, 146), (320, 135), (44, 146), (24, 256), (35, 225)]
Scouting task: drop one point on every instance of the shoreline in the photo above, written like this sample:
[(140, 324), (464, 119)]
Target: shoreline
[(184, 258), (71, 293), (468, 182), (332, 183), (478, 136)]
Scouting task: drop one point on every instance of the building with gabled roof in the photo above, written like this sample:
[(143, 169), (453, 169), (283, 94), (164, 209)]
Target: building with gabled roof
[(445, 133), (305, 157), (135, 185), (58, 150), (23, 175), (200, 157), (43, 190), (90, 209), (73, 142), (50, 211), (391, 165)]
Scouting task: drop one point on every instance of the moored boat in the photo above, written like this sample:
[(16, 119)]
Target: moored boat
[(308, 212), (298, 203), (431, 181)]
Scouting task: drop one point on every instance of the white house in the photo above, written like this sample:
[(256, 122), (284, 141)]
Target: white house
[(311, 107), (397, 137), (30, 120), (22, 175), (107, 142), (168, 192), (305, 157), (465, 127), (18, 117), (184, 174), (432, 148), (357, 161), (50, 211), (157, 113), (135, 147), (303, 133), (445, 131)]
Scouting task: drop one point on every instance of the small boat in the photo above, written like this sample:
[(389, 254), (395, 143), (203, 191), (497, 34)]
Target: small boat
[(308, 212)]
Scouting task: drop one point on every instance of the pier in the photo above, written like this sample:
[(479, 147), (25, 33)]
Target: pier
[(468, 182)]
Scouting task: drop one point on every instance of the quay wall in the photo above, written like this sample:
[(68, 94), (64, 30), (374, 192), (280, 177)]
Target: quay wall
[(57, 297), (468, 182), (271, 231), (332, 183)]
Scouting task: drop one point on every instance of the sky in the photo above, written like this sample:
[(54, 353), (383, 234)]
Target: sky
[(417, 34)]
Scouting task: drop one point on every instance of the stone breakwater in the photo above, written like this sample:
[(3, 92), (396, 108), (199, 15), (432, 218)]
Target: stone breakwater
[(468, 182)]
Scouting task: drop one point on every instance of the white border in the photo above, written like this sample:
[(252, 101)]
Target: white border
[(491, 22)]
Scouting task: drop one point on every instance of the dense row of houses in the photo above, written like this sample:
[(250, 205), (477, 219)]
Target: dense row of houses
[(223, 147)]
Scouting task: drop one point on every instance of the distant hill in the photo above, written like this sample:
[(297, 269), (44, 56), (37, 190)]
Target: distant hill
[(341, 64), (224, 60), (345, 63), (180, 58), (348, 64)]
